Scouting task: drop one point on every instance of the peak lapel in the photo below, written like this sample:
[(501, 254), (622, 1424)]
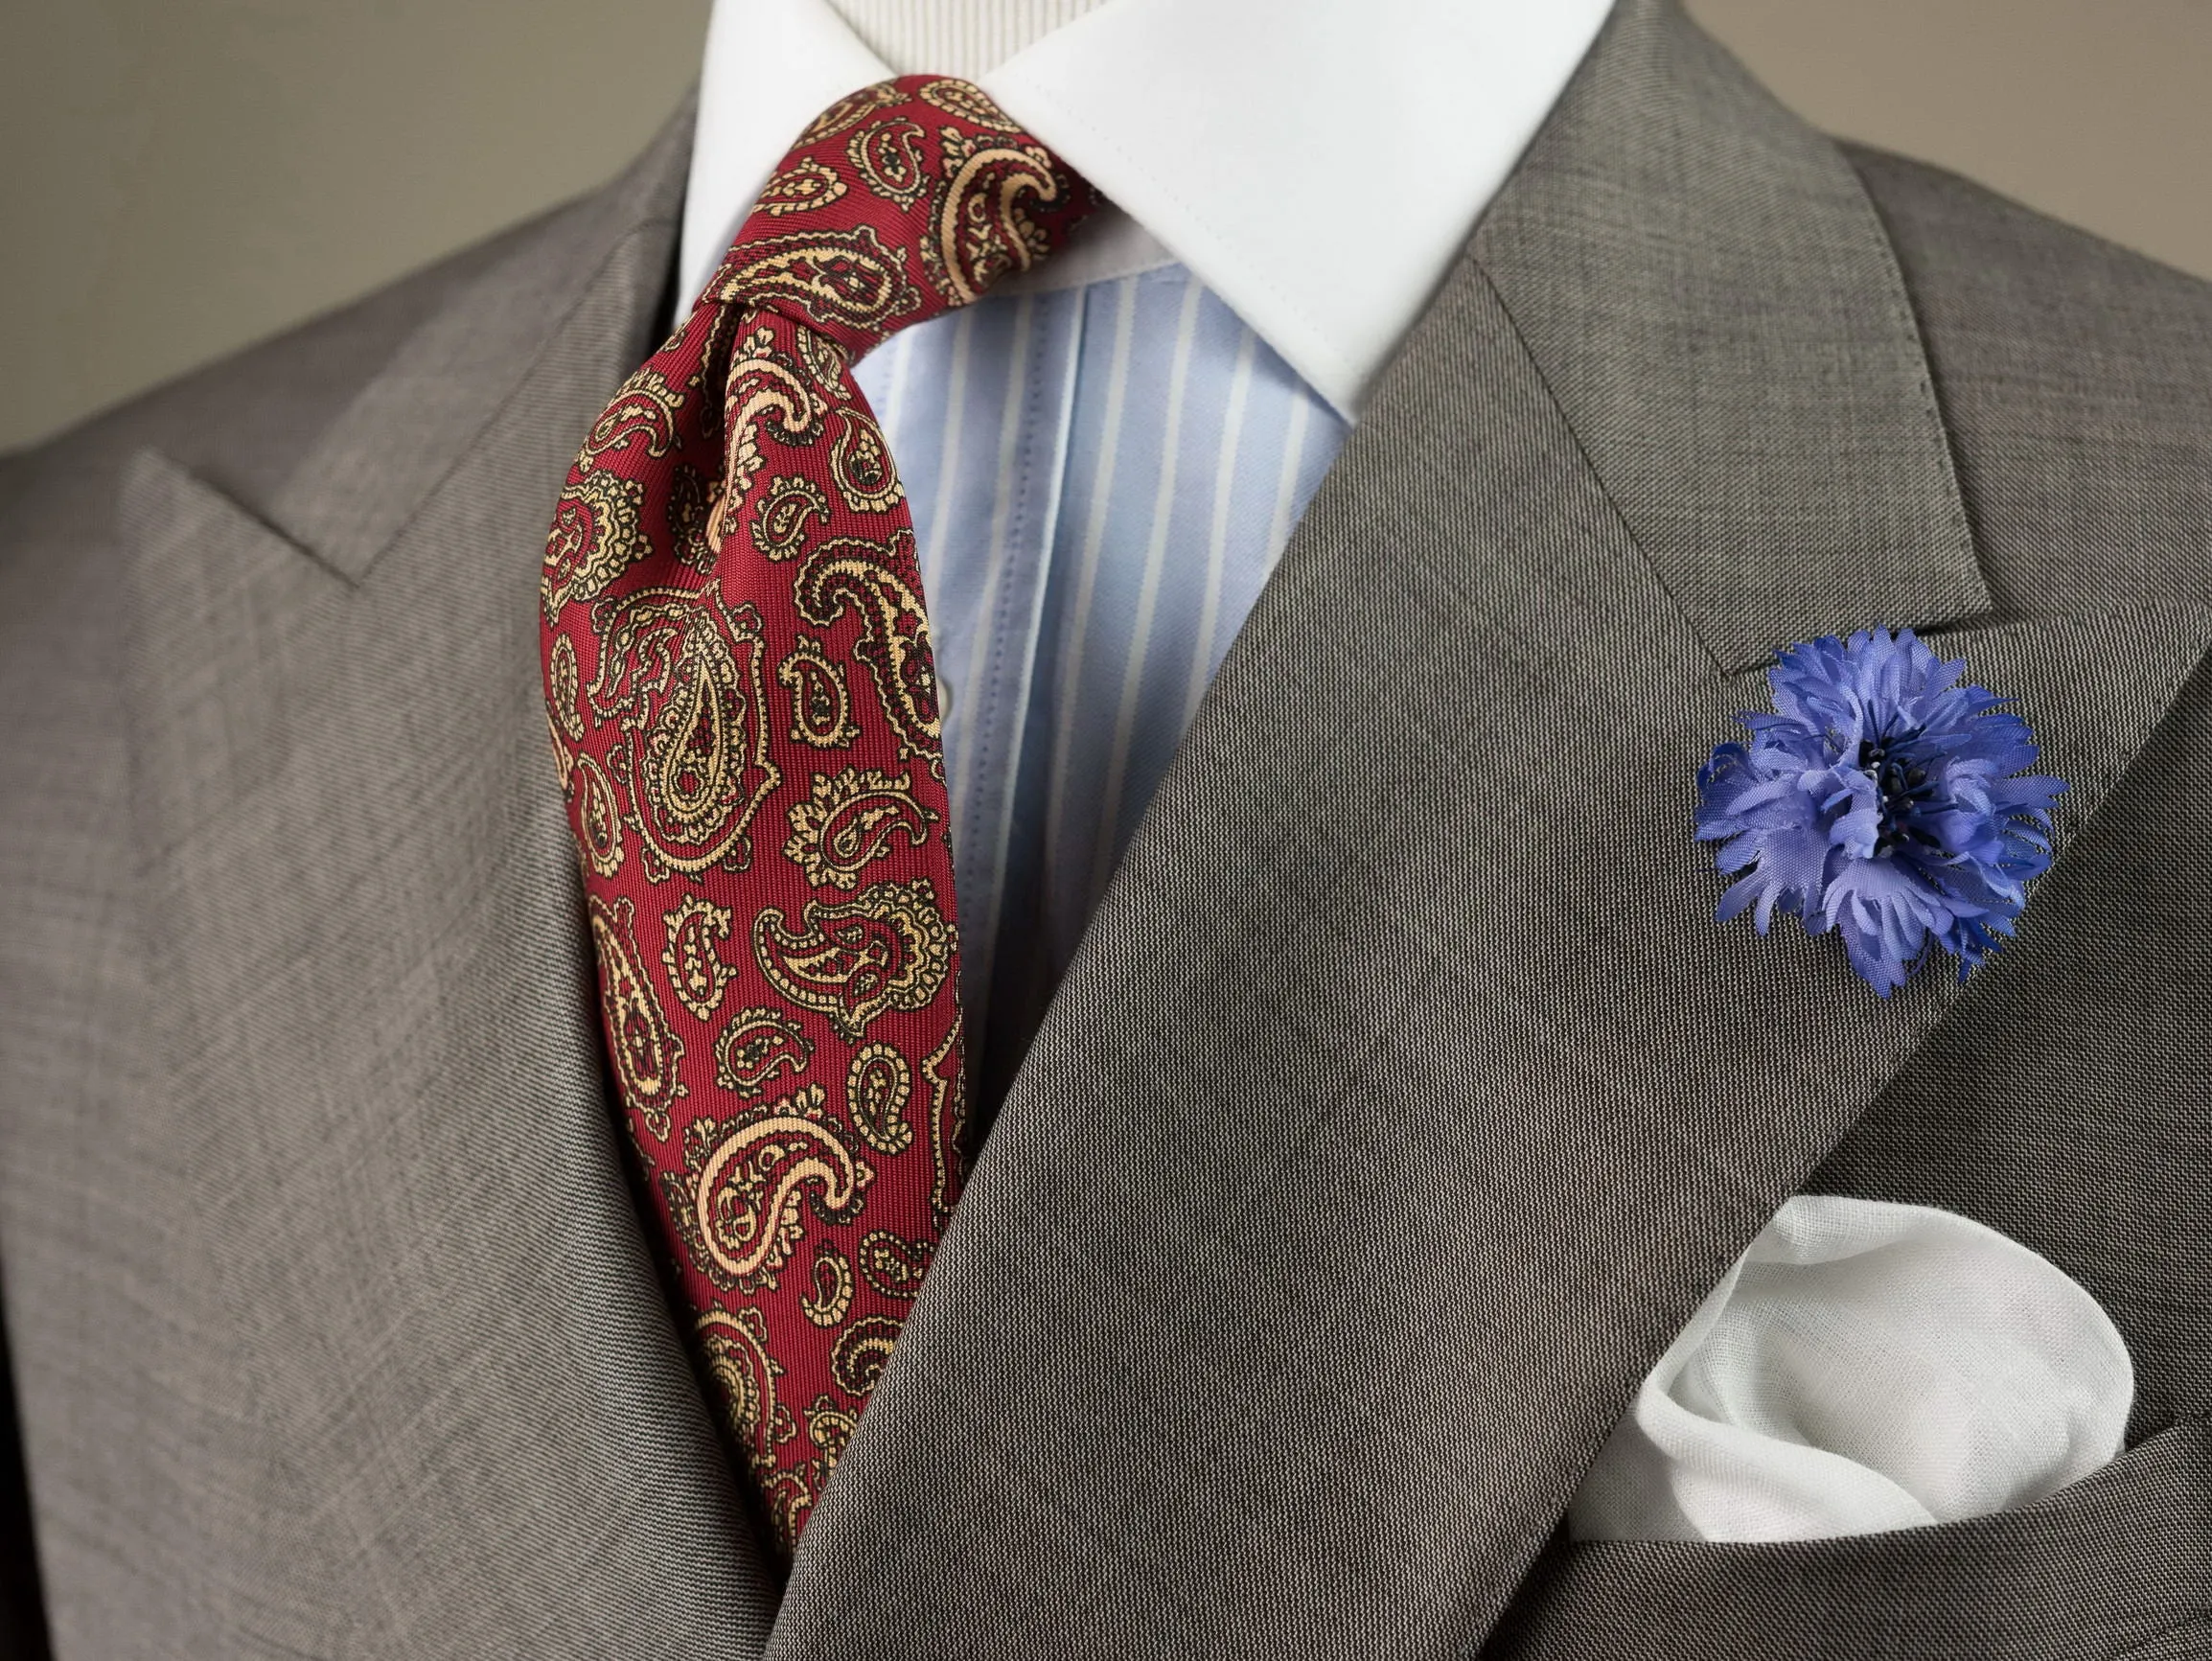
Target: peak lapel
[(1405, 1098), (1710, 297), (422, 1362), (409, 429)]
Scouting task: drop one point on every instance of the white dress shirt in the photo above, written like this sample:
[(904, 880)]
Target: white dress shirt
[(1318, 164), (1105, 458)]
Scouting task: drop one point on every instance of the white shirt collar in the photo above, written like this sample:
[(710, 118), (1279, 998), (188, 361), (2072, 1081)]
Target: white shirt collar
[(1318, 163)]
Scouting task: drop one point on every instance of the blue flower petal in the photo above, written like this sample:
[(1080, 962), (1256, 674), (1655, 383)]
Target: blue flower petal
[(1884, 798)]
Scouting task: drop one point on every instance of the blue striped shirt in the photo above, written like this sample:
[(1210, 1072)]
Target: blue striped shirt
[(1101, 479)]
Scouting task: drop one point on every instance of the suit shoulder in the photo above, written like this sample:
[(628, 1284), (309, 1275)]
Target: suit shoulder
[(243, 420), (2035, 291), (2075, 380), (241, 424)]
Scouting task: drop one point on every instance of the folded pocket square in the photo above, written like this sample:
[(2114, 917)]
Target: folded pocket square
[(1864, 1366)]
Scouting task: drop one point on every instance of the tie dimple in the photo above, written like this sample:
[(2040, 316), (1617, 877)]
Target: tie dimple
[(744, 709)]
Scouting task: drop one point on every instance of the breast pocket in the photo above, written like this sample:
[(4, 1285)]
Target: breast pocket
[(2116, 1567)]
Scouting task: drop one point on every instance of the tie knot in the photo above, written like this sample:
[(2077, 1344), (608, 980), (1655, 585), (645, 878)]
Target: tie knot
[(903, 200)]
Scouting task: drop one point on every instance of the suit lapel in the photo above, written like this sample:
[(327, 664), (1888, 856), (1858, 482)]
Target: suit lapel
[(388, 1107), (1405, 1098), (1711, 300)]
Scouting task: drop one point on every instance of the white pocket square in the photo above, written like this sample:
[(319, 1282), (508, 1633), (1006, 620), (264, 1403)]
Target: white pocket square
[(1864, 1366)]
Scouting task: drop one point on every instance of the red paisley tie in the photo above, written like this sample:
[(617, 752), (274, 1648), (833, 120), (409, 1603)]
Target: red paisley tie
[(744, 708)]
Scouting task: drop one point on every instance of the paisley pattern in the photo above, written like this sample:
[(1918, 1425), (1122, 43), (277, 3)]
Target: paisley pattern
[(734, 1348), (803, 185), (787, 504), (745, 1183), (594, 538), (881, 584), (894, 1265), (861, 465), (758, 1046), (821, 706), (596, 814), (888, 156), (644, 415), (743, 712), (831, 1298), (692, 957), (851, 818), (681, 680), (878, 1086), (647, 1054), (889, 947), (564, 686)]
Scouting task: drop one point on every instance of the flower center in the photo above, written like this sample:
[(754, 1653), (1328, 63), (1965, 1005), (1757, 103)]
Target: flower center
[(1903, 783)]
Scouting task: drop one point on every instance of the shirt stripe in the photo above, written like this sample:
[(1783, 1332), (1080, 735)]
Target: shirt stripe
[(1105, 476)]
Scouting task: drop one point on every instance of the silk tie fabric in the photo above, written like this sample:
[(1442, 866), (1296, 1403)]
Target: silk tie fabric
[(745, 714)]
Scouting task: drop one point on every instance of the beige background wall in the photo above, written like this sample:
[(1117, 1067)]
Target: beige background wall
[(180, 177)]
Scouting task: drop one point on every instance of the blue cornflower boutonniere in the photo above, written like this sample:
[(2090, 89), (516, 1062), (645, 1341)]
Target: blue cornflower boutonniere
[(1882, 799)]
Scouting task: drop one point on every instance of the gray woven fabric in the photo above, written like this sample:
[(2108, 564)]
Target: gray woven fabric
[(334, 1329), (2068, 1100), (1401, 1104), (2069, 1103)]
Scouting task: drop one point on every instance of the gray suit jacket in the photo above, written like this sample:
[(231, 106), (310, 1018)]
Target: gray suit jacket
[(1401, 1104)]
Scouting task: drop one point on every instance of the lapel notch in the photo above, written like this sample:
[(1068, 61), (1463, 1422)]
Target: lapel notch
[(399, 438), (212, 725), (1706, 289)]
